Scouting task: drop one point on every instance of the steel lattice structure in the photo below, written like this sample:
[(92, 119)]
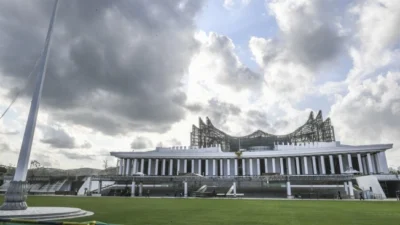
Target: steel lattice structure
[(314, 130)]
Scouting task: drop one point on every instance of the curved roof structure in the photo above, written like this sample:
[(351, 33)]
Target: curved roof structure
[(314, 130)]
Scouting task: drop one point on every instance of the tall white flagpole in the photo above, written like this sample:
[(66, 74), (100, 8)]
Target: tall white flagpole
[(16, 195)]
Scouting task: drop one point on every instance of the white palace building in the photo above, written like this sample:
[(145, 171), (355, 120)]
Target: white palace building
[(307, 163)]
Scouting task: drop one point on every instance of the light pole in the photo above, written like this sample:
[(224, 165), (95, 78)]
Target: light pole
[(16, 195)]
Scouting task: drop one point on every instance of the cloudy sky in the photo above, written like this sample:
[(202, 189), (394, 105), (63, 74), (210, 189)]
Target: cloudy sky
[(132, 75)]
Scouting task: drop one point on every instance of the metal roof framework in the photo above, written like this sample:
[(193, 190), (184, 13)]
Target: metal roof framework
[(314, 130)]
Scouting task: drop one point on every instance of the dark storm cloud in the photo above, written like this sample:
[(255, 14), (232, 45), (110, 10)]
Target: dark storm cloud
[(141, 143), (114, 66), (58, 138)]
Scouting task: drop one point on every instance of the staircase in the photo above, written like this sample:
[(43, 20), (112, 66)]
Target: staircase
[(371, 183)]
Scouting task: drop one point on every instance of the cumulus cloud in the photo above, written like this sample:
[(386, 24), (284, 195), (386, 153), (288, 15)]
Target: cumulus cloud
[(45, 160), (141, 143), (369, 113), (76, 155), (217, 52), (86, 144), (99, 78), (291, 60), (377, 38), (4, 147)]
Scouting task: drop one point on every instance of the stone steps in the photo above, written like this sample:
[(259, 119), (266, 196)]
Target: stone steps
[(45, 213)]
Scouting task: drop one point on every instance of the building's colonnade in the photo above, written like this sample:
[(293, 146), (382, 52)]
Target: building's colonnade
[(366, 163)]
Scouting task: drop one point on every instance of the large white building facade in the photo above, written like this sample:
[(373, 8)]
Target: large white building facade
[(308, 161)]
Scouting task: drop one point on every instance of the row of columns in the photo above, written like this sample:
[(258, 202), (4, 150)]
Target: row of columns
[(364, 167), (348, 186)]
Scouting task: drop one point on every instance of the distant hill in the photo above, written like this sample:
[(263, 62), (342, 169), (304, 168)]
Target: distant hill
[(60, 172)]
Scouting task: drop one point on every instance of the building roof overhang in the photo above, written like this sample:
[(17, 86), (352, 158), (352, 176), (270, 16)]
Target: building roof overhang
[(190, 154)]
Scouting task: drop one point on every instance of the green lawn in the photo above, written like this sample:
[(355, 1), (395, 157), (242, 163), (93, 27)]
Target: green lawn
[(140, 211)]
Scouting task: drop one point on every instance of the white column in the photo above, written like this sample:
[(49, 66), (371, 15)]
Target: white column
[(383, 163), (377, 162), (289, 165), (206, 167), (228, 167), (371, 170), (171, 167), (266, 165), (192, 167), (133, 189), (221, 167), (100, 186), (214, 167), (365, 164), (322, 159), (156, 167), (243, 167), (273, 165), (178, 166), (349, 160), (288, 190), (128, 166), (251, 167), (360, 165), (351, 191), (121, 162), (236, 167), (199, 166), (258, 167), (185, 194), (90, 186), (346, 188), (123, 167), (281, 166), (149, 167), (331, 164), (135, 162), (297, 166), (140, 189), (234, 186), (142, 165), (163, 167), (185, 165), (314, 165), (305, 165), (340, 163)]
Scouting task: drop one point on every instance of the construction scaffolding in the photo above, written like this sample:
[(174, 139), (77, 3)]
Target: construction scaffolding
[(314, 130)]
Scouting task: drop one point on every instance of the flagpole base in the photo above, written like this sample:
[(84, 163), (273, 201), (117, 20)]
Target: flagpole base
[(15, 197)]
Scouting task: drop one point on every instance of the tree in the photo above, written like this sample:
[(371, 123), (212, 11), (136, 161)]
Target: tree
[(3, 170), (393, 170), (105, 164)]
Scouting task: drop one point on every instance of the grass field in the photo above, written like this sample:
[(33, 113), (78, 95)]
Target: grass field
[(141, 211)]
